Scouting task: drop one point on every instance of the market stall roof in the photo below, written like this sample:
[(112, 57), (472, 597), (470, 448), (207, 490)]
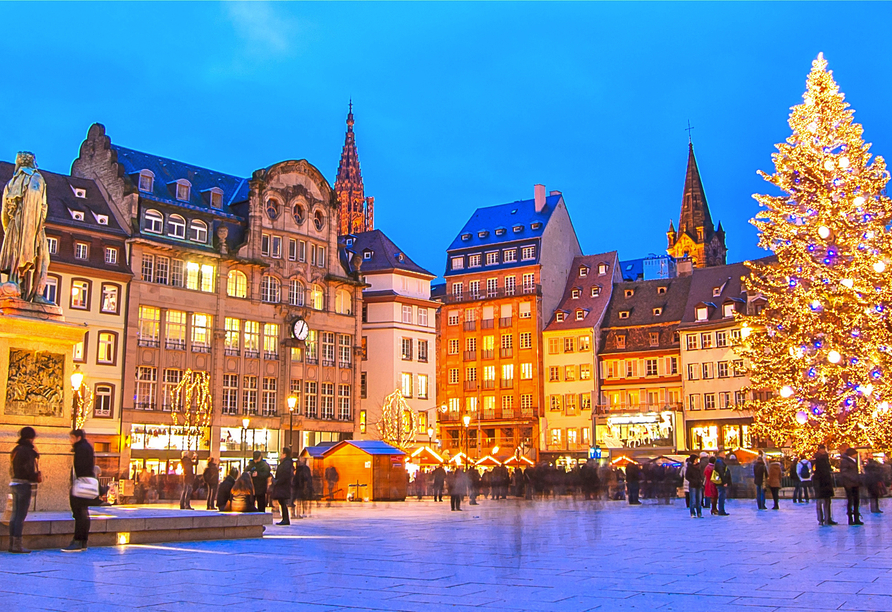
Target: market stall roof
[(622, 461), (371, 447), (458, 458), (515, 460), (488, 461), (425, 455), (743, 454), (673, 459), (318, 450)]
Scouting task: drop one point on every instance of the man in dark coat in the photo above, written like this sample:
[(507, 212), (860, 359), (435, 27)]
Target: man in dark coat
[(439, 481), (260, 474), (224, 491), (760, 475), (633, 480), (302, 488), (188, 478), (823, 479), (282, 484), (84, 462), (211, 478), (474, 485), (694, 475), (850, 479), (25, 472)]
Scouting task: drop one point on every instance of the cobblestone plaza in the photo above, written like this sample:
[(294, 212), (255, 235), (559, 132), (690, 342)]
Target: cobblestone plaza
[(510, 555)]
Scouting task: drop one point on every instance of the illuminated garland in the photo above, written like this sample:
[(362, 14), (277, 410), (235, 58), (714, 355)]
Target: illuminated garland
[(399, 423), (822, 345), (83, 402), (192, 405)]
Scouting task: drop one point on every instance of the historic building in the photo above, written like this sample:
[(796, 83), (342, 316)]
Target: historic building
[(715, 378), (88, 279), (641, 383), (356, 212), (697, 238), (239, 278), (571, 341), (505, 274), (399, 332)]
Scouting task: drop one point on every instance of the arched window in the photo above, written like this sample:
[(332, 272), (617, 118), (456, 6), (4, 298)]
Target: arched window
[(273, 208), (296, 293), (237, 284), (154, 221), (317, 297), (343, 302), (319, 220), (270, 289), (146, 180), (299, 213), (176, 226), (198, 231)]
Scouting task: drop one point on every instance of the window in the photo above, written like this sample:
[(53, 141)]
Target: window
[(201, 332), (458, 263), (103, 397), (345, 350), (673, 365), (735, 337), (453, 376), (474, 260), (650, 367), (580, 315), (526, 371), (406, 344), (725, 400), (176, 271), (154, 222), (176, 226), (80, 294), (318, 220), (620, 341), (301, 250), (406, 384), (457, 290), (344, 402), (692, 342), (199, 277), (525, 340), (51, 290), (596, 291), (570, 403), (694, 402), (529, 283), (184, 190), (632, 370), (422, 386), (623, 314), (737, 366), (569, 344), (276, 248), (273, 208), (265, 245), (146, 180), (709, 401), (232, 331), (237, 284), (453, 317), (585, 371), (230, 394), (453, 346), (510, 285), (52, 245), (111, 255), (526, 402), (175, 330), (292, 249), (570, 373), (555, 403), (198, 231), (317, 297), (172, 378), (311, 398), (654, 338), (629, 293), (407, 313), (728, 310), (216, 199), (723, 370), (249, 395), (270, 289), (575, 293), (492, 287), (81, 250), (527, 253), (554, 374), (474, 289), (509, 255), (739, 398), (363, 386), (299, 213), (602, 269), (707, 370), (146, 379), (661, 290), (702, 313), (270, 340), (559, 316), (706, 341), (149, 322), (507, 375), (422, 351), (107, 348), (693, 371), (583, 271), (721, 339), (109, 302), (296, 292), (658, 311), (585, 343), (269, 405), (78, 353), (492, 258)]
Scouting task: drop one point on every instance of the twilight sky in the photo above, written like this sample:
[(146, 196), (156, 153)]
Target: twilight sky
[(457, 105)]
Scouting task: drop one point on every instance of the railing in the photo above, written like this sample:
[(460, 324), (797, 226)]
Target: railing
[(507, 413), (150, 342), (470, 325), (271, 355), (328, 362), (470, 355), (506, 352), (489, 384), (175, 345), (145, 406), (345, 364), (506, 383), (487, 323), (619, 408), (528, 412), (311, 360), (252, 354), (527, 290), (232, 352), (470, 385), (201, 348), (487, 353), (505, 321), (489, 414)]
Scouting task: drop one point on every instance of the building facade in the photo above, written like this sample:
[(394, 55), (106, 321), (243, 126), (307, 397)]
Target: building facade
[(241, 279), (88, 278), (399, 334), (571, 339), (356, 212), (505, 274), (640, 366)]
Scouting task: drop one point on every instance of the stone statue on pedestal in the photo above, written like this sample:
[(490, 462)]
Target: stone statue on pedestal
[(24, 256)]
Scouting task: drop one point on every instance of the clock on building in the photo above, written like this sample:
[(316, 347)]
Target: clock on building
[(300, 329)]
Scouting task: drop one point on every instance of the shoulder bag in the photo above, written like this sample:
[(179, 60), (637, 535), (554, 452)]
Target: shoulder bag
[(85, 487)]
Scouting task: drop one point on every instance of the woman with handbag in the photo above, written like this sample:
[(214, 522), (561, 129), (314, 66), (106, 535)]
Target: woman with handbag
[(24, 470), (84, 489)]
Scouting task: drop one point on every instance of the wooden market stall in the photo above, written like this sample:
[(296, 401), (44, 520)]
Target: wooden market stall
[(426, 456), (313, 457), (368, 470)]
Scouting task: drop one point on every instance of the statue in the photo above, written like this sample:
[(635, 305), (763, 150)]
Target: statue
[(24, 256)]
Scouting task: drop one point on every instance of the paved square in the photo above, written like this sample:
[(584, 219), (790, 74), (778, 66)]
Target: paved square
[(507, 556)]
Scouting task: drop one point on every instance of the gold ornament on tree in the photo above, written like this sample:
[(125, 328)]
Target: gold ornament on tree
[(399, 423), (192, 405), (822, 344)]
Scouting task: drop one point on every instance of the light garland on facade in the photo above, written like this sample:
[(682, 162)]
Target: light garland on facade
[(192, 408)]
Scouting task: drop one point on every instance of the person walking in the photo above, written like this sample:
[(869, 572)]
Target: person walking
[(723, 484), (473, 485), (458, 486), (24, 469), (211, 478), (710, 477), (775, 473), (633, 482), (803, 480), (760, 475), (302, 489), (260, 475), (439, 480), (704, 461), (685, 485), (187, 478), (282, 484), (694, 478), (224, 491), (873, 481), (84, 462), (850, 479), (823, 479)]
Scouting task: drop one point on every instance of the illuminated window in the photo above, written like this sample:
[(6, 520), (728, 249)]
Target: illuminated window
[(249, 395), (296, 292), (317, 297), (110, 299), (232, 329), (269, 403), (343, 302), (270, 341), (102, 401), (201, 332), (149, 324), (237, 284), (80, 294), (406, 384), (270, 289), (422, 386), (107, 348)]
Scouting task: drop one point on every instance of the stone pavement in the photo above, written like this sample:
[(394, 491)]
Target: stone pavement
[(511, 555)]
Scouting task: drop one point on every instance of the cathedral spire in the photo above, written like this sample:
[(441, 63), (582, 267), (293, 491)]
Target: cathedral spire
[(355, 211)]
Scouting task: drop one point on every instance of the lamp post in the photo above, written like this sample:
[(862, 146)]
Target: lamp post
[(467, 421), (77, 383), (430, 435), (292, 403), (245, 423)]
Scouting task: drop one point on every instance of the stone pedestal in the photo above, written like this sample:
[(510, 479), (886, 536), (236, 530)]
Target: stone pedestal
[(35, 366)]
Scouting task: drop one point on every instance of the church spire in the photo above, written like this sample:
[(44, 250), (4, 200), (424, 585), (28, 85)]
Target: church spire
[(355, 211)]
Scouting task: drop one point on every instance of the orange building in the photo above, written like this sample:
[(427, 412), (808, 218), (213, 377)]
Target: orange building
[(505, 274)]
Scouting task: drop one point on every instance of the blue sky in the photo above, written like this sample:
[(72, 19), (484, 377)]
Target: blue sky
[(457, 105)]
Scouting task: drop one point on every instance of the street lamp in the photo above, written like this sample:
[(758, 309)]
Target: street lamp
[(430, 435), (292, 403), (467, 421), (495, 449), (77, 382)]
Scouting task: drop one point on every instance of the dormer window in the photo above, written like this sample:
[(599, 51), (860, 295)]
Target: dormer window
[(621, 342), (575, 294), (699, 234), (583, 271), (728, 310), (466, 237), (349, 241), (596, 291), (658, 311), (517, 229), (492, 258), (661, 290), (77, 215), (367, 254), (474, 260), (629, 293), (198, 231), (176, 226), (702, 313), (79, 192), (559, 317), (623, 314), (184, 190), (580, 315), (101, 219), (154, 221), (146, 180), (216, 198), (482, 234), (500, 231), (602, 269), (716, 291), (535, 226)]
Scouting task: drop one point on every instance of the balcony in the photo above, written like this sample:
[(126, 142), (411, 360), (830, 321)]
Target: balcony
[(528, 411), (175, 345), (624, 408), (271, 355), (506, 383), (489, 414), (489, 384), (469, 325), (527, 290), (150, 342), (487, 323), (249, 354), (506, 321), (487, 353), (470, 355), (507, 413), (328, 363), (506, 353), (470, 385), (449, 416), (201, 348), (232, 352)]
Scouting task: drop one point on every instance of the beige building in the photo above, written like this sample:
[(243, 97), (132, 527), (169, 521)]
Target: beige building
[(570, 371), (398, 333), (239, 278)]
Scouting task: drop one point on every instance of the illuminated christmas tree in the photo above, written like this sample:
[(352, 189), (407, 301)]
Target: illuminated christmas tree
[(399, 423), (192, 405), (822, 345)]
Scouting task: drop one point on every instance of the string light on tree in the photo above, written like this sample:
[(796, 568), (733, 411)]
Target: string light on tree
[(192, 405), (399, 423), (824, 335)]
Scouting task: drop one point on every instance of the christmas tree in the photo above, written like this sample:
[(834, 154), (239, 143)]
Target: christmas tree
[(822, 345), (398, 422)]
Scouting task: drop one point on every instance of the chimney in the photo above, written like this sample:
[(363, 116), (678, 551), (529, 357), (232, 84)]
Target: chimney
[(539, 191), (685, 266)]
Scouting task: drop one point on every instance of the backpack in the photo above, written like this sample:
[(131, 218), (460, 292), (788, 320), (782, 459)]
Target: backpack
[(803, 471)]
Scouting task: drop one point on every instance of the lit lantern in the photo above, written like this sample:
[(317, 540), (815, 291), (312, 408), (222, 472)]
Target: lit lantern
[(786, 391), (824, 231), (834, 357), (879, 266)]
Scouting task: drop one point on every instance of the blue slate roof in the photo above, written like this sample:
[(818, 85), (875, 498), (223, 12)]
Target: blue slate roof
[(384, 255), (317, 451), (632, 269), (372, 447), (522, 213), (168, 171)]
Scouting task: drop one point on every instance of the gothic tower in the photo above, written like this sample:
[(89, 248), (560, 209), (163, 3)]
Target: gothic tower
[(356, 213), (696, 238)]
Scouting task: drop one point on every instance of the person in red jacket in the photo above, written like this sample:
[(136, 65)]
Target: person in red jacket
[(709, 487)]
